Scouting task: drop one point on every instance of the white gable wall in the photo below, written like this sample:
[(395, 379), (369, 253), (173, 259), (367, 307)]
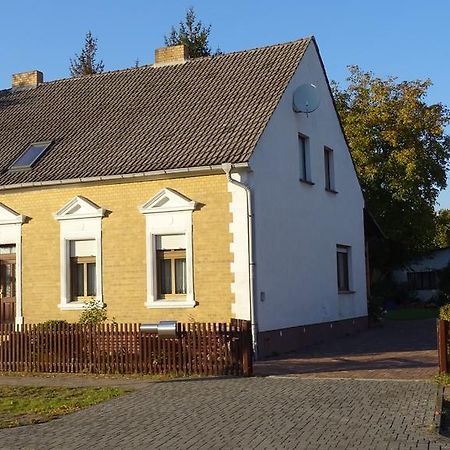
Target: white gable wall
[(297, 226)]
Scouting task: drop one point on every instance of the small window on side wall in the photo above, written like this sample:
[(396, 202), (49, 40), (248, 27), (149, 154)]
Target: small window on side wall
[(305, 159), (329, 169), (343, 268)]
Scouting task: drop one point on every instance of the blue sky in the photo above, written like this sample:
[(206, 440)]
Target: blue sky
[(408, 39)]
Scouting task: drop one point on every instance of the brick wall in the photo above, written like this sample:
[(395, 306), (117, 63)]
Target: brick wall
[(123, 249)]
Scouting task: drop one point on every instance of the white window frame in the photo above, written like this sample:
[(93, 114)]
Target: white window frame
[(80, 220), (168, 213), (328, 155), (347, 249), (11, 233)]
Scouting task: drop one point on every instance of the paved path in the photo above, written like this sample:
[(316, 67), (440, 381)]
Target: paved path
[(262, 413), (396, 350)]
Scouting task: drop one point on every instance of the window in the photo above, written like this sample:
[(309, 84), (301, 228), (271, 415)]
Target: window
[(30, 156), (343, 268), (422, 280), (169, 235), (329, 169), (171, 266), (80, 253), (305, 162), (83, 284)]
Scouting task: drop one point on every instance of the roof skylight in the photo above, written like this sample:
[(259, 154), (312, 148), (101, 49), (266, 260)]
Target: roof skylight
[(30, 156)]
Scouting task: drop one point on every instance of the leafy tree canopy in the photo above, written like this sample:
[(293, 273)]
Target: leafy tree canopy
[(442, 238), (192, 33), (400, 150), (85, 63)]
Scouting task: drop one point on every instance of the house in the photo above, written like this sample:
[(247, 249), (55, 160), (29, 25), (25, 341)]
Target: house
[(187, 190), (421, 276)]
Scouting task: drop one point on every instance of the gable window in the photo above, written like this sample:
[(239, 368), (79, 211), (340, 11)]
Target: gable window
[(329, 169), (169, 250), (30, 156), (343, 268), (422, 280), (305, 159), (80, 253), (83, 270)]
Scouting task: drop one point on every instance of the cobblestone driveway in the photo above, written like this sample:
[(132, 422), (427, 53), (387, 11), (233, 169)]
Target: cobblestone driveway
[(267, 413)]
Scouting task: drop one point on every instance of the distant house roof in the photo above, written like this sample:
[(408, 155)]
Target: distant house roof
[(204, 112)]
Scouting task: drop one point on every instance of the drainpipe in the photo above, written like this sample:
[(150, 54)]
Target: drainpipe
[(227, 167)]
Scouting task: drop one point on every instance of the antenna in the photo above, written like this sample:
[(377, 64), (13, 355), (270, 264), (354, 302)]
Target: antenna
[(306, 98)]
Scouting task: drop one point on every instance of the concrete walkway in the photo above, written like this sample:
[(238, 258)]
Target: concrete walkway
[(395, 350)]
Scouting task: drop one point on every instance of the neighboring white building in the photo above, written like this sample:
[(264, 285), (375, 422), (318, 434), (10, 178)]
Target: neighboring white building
[(421, 276)]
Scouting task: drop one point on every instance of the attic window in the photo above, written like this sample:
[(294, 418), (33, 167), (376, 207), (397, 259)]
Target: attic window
[(30, 156)]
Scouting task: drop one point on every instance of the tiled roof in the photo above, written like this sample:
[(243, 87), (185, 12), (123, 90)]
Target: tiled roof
[(204, 112)]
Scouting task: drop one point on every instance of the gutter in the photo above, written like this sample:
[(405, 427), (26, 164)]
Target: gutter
[(140, 176), (227, 167)]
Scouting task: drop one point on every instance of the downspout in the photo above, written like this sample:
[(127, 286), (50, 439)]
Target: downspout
[(227, 167)]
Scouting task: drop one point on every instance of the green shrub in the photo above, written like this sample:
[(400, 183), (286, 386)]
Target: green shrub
[(444, 312), (93, 314), (53, 323)]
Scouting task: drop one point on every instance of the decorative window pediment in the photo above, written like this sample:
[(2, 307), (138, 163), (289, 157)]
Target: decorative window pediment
[(79, 208), (8, 215), (167, 200)]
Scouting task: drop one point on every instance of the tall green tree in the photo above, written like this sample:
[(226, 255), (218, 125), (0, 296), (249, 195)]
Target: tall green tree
[(192, 33), (400, 150), (442, 238), (85, 63)]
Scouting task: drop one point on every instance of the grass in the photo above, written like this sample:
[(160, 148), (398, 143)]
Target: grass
[(25, 405), (412, 313)]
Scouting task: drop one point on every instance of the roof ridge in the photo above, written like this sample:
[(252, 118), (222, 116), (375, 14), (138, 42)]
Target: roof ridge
[(151, 66)]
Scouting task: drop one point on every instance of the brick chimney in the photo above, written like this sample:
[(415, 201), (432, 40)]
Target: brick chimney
[(167, 56), (27, 80)]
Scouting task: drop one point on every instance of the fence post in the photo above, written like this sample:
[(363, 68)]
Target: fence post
[(247, 356), (442, 332)]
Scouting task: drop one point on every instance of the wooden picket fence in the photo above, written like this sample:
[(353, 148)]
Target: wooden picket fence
[(443, 338), (199, 348)]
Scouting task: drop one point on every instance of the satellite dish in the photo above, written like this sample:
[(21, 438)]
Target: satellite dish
[(306, 98)]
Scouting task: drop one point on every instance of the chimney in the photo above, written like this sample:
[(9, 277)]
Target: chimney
[(167, 56), (27, 80)]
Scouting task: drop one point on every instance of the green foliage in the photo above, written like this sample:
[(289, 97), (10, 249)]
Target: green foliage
[(85, 63), (94, 313), (442, 238), (444, 312), (53, 323), (444, 280), (400, 150), (192, 34)]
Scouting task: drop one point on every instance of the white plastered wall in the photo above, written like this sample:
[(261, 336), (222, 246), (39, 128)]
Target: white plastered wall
[(297, 226)]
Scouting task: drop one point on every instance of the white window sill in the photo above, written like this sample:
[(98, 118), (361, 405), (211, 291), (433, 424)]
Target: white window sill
[(164, 304)]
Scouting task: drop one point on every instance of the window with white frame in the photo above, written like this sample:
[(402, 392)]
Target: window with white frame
[(169, 250), (81, 253), (343, 254), (305, 159)]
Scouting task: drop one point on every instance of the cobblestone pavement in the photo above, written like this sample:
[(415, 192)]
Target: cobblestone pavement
[(261, 412), (396, 350)]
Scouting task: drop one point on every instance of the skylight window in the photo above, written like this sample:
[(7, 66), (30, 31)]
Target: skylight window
[(30, 156)]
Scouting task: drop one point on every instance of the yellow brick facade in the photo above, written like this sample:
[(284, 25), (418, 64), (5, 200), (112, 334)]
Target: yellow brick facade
[(124, 248)]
